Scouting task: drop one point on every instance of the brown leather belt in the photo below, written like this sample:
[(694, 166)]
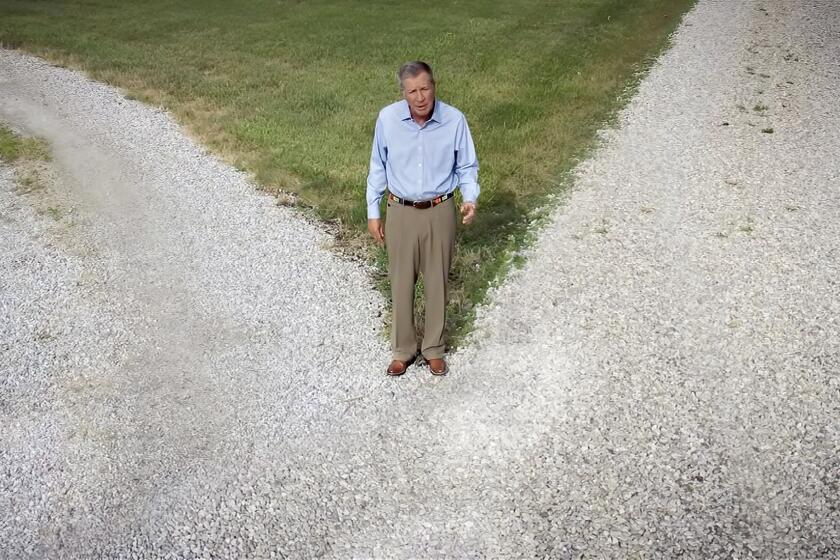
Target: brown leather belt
[(421, 204)]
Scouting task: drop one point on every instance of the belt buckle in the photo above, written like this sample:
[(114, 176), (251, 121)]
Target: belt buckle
[(422, 204)]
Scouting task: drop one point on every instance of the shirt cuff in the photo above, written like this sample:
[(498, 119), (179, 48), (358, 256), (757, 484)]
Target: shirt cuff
[(373, 211), (469, 192)]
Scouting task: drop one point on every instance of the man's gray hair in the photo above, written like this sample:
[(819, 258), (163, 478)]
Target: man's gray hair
[(413, 69)]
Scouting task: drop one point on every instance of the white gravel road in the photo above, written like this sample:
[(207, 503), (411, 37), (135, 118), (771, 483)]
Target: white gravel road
[(187, 371)]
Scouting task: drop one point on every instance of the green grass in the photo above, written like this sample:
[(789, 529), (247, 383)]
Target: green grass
[(27, 155), (14, 147), (290, 90)]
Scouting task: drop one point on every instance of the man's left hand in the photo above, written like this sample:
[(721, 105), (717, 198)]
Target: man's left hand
[(468, 211)]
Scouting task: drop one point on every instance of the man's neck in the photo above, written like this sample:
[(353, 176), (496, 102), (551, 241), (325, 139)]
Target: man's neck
[(423, 120)]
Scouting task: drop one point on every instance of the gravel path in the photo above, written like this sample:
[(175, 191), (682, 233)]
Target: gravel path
[(660, 379)]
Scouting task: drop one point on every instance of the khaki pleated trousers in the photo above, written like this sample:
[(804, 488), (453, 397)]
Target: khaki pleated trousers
[(419, 242)]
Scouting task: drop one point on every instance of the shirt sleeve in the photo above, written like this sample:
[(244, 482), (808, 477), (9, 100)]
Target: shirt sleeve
[(466, 163), (377, 181)]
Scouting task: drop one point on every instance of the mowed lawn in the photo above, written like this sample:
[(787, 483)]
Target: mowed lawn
[(289, 90)]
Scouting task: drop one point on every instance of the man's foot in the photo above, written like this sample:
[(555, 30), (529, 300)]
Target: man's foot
[(398, 367), (438, 366)]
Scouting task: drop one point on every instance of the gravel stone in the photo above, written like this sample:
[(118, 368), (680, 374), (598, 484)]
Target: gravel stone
[(187, 370)]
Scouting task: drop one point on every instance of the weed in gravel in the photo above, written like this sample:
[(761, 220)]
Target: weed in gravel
[(14, 147), (747, 226), (601, 228), (29, 157)]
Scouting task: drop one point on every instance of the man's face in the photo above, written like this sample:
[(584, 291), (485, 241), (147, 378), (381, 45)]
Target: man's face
[(419, 91)]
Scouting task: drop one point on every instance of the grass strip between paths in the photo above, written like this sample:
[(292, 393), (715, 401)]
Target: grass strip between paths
[(14, 147), (290, 90)]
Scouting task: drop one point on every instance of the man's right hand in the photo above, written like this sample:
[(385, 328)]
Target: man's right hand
[(376, 227)]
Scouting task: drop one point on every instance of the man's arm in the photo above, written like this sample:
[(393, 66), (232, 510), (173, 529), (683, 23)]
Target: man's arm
[(376, 183), (466, 167)]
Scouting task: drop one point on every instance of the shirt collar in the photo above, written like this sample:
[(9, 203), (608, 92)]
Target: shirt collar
[(437, 114)]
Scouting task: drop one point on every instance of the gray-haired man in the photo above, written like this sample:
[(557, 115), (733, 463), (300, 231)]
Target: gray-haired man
[(422, 151)]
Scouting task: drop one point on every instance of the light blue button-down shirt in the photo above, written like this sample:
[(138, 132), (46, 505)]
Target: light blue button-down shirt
[(421, 162)]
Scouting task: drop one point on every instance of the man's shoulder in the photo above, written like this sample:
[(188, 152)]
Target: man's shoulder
[(394, 111), (449, 112)]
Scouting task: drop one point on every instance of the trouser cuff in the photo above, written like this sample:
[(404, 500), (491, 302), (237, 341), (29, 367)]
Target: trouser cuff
[(402, 356), (435, 353)]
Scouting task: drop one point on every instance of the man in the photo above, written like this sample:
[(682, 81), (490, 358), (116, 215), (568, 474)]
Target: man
[(422, 151)]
